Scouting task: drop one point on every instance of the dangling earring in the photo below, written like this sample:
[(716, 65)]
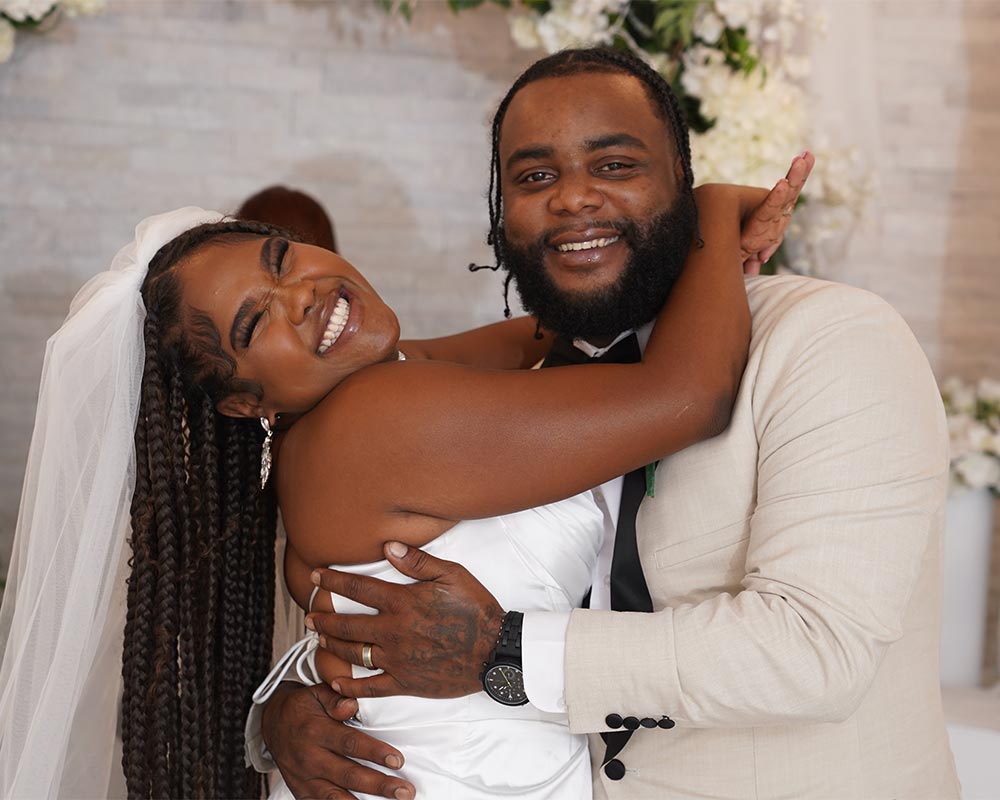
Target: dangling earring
[(265, 452)]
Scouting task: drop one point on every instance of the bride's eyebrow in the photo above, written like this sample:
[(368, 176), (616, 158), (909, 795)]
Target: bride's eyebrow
[(264, 262)]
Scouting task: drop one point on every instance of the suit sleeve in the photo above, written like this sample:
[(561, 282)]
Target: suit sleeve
[(851, 481)]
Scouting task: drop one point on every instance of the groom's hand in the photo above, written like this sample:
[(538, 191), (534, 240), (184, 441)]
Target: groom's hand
[(430, 638), (304, 730)]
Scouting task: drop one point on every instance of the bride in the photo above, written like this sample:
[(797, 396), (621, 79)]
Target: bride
[(146, 509)]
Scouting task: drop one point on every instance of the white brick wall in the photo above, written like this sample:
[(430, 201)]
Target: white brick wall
[(161, 103)]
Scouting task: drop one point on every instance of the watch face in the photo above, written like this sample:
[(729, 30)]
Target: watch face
[(505, 684)]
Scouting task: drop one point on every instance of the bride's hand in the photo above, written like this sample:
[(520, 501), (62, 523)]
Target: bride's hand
[(430, 638), (764, 228)]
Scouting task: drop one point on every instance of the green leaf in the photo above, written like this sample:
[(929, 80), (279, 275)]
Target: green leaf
[(779, 259), (461, 5), (404, 8), (29, 22)]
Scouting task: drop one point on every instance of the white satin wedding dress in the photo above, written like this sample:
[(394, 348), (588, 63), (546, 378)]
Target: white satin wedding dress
[(472, 748)]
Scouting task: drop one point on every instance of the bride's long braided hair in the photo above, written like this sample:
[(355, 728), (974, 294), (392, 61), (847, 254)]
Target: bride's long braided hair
[(201, 591)]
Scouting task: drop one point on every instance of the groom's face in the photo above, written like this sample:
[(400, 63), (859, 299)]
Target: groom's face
[(595, 225)]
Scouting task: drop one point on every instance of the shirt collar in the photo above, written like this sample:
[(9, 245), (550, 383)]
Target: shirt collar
[(642, 333)]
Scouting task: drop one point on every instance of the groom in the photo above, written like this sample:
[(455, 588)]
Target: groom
[(790, 567)]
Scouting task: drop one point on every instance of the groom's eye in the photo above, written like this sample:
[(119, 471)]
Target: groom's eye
[(535, 177), (614, 166)]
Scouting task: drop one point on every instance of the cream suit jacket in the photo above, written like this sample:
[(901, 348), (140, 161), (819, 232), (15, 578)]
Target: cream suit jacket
[(794, 565)]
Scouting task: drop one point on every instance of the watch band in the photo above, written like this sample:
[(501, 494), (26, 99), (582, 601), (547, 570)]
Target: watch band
[(509, 640)]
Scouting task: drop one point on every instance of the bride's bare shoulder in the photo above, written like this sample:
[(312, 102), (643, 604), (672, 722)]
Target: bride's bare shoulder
[(338, 472)]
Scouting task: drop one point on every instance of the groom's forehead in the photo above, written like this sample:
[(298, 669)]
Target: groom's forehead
[(575, 108)]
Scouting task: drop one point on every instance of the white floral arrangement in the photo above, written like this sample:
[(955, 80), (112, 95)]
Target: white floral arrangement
[(974, 430), (735, 66), (27, 15)]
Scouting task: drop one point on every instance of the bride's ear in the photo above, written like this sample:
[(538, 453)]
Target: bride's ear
[(242, 405)]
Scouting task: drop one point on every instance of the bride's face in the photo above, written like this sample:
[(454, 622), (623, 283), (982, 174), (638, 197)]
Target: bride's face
[(297, 319)]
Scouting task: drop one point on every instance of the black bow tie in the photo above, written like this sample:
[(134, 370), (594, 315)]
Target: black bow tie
[(564, 352)]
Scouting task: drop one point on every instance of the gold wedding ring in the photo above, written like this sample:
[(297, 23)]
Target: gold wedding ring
[(366, 656)]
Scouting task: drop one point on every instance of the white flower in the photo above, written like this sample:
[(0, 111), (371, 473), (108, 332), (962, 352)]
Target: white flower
[(662, 63), (959, 397), (989, 390), (757, 124), (591, 8), (737, 13), (573, 24), (978, 470), (524, 32), (979, 437), (708, 26), (85, 8), (974, 431), (21, 10), (7, 37), (568, 23)]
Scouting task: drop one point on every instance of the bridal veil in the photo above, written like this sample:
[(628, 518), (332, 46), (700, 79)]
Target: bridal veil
[(63, 612)]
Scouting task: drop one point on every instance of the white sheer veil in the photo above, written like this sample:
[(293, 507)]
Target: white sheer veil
[(63, 613)]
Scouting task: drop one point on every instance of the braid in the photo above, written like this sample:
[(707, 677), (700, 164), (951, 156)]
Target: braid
[(138, 645), (577, 62), (201, 589), (187, 712), (210, 556), (140, 639)]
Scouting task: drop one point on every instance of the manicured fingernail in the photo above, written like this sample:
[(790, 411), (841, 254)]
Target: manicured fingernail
[(398, 549), (310, 624), (335, 686), (314, 576), (322, 642), (403, 794), (393, 762)]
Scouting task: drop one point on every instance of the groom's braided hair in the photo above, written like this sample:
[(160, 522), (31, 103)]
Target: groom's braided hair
[(577, 62), (201, 590)]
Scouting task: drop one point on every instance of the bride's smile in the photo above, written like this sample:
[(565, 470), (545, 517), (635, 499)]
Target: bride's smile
[(296, 319)]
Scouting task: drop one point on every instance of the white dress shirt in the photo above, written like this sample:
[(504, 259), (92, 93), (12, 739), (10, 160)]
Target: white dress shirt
[(543, 635)]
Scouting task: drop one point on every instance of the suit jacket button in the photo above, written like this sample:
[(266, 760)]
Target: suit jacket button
[(613, 721), (647, 722), (614, 769), (631, 723), (666, 723)]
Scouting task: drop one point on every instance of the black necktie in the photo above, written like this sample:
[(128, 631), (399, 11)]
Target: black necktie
[(628, 585)]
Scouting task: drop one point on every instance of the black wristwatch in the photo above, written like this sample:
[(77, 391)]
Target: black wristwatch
[(502, 677)]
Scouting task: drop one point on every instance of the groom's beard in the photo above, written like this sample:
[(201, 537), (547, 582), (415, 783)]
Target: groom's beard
[(657, 253)]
